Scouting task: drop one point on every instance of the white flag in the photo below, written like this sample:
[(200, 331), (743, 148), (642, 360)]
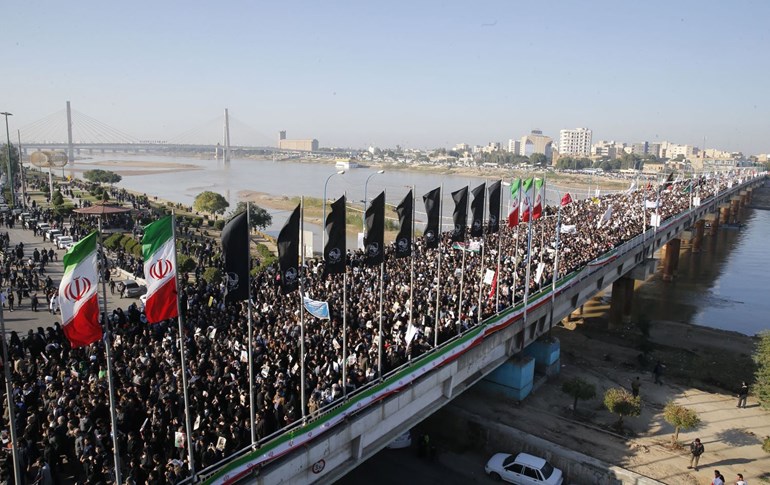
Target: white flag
[(539, 272), (568, 229), (651, 204), (606, 217), (411, 333), (489, 276)]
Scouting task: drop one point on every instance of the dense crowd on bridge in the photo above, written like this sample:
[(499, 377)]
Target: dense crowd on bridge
[(60, 397)]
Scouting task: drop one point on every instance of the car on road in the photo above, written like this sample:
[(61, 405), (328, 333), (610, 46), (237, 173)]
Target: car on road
[(404, 440), (131, 289), (64, 242), (30, 223), (43, 227), (523, 469), (51, 234)]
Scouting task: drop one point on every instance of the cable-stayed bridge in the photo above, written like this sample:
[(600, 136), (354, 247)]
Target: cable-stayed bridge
[(77, 132)]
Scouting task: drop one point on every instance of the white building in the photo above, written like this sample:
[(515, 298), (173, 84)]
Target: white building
[(575, 142), (514, 146)]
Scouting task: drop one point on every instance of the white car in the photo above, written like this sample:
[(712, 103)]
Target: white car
[(403, 440), (64, 242), (51, 234), (523, 469)]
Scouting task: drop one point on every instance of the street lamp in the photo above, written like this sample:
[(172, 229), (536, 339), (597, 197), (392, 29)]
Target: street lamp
[(323, 222), (366, 187), (8, 137)]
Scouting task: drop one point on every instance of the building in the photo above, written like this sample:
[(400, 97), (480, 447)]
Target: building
[(296, 145), (461, 147), (536, 142), (514, 146), (606, 149), (575, 142), (640, 148), (492, 146)]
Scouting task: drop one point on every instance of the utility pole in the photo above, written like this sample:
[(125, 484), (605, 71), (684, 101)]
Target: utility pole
[(10, 173), (226, 154), (21, 173), (70, 147)]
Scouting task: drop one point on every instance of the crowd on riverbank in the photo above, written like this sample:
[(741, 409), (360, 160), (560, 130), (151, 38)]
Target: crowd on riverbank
[(60, 393)]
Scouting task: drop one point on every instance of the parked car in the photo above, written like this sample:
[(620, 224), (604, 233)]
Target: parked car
[(51, 234), (523, 469), (43, 227), (23, 216), (403, 440), (30, 223), (64, 242), (131, 289)]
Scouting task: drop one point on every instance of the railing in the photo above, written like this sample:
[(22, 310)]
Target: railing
[(268, 449)]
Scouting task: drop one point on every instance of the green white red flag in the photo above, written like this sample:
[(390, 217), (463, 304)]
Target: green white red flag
[(78, 296), (513, 215), (158, 246), (527, 199), (537, 210)]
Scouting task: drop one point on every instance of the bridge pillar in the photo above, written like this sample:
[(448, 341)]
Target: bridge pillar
[(514, 378), (735, 209), (749, 194), (671, 261), (713, 222), (724, 211), (622, 301), (698, 236)]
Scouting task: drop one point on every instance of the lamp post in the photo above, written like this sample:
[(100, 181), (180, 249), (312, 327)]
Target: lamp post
[(323, 222), (366, 187), (8, 137)]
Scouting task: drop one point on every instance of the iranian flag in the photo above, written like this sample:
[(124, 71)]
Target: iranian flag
[(526, 200), (537, 210), (158, 246), (513, 215), (78, 296)]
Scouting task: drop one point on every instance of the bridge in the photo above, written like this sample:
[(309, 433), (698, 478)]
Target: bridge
[(77, 133), (326, 448)]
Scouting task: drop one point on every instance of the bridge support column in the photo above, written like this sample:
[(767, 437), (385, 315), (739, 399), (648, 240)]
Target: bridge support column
[(697, 239), (547, 355), (622, 301), (735, 209), (713, 222), (671, 261), (724, 213), (749, 194), (514, 378)]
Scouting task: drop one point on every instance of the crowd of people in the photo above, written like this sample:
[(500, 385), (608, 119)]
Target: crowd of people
[(60, 394)]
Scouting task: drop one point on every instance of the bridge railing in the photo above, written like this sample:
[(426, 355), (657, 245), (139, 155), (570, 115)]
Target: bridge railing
[(245, 461)]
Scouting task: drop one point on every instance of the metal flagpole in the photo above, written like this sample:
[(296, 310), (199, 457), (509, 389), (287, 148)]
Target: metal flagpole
[(344, 318), (108, 351), (438, 262), (302, 312), (499, 255), (250, 340), (10, 401), (191, 460), (529, 261)]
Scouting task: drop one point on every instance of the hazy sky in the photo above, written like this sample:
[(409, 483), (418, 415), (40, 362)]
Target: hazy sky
[(416, 73)]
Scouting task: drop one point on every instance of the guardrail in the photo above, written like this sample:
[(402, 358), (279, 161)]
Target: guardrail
[(244, 462)]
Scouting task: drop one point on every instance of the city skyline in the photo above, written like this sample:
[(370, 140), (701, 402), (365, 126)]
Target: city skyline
[(418, 75)]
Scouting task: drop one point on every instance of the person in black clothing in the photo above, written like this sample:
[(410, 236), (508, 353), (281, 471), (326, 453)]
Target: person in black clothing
[(743, 394)]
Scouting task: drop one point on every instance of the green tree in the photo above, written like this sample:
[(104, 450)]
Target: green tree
[(57, 199), (102, 176), (578, 389), (619, 401), (259, 218), (538, 159), (762, 374), (212, 275), (210, 202), (680, 418), (14, 159)]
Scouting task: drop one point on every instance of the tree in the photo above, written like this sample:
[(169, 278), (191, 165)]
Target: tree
[(538, 159), (619, 401), (210, 202), (102, 176), (259, 218), (14, 159), (762, 374), (578, 389), (57, 199), (680, 418)]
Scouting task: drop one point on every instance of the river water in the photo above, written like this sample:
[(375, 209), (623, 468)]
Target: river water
[(724, 286)]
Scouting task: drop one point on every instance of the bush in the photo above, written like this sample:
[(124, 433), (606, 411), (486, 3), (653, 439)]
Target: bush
[(680, 418), (125, 240), (212, 275), (137, 250), (619, 401), (210, 222), (578, 389), (219, 225), (185, 263), (113, 241), (766, 445)]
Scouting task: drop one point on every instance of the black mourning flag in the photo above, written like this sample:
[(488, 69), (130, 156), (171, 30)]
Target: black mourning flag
[(460, 215), (235, 246), (477, 210), (288, 253), (433, 208), (494, 207), (334, 252), (375, 231), (404, 238)]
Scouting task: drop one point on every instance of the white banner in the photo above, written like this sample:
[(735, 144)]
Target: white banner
[(489, 275)]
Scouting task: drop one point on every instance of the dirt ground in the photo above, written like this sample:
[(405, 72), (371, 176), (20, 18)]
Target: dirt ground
[(703, 371)]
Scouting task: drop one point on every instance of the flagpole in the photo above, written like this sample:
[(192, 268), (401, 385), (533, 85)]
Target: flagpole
[(345, 313), (529, 261), (438, 261), (302, 311), (499, 238), (180, 321), (108, 352), (252, 411), (10, 401)]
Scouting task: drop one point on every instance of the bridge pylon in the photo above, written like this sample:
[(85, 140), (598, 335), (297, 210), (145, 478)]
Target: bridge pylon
[(70, 147)]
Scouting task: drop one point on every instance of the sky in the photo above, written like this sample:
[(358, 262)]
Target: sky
[(419, 74)]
